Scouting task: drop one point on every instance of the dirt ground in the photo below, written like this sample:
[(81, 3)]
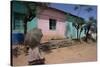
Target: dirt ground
[(82, 52)]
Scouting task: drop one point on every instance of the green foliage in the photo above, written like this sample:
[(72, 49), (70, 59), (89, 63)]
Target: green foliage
[(79, 22), (90, 23)]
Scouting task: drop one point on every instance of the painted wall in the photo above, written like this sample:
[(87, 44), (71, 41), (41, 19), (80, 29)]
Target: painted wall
[(32, 24), (18, 7), (63, 28), (72, 32), (43, 23), (18, 12)]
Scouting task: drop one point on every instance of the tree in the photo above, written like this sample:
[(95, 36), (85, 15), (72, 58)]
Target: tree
[(78, 25), (88, 27), (81, 27), (90, 22), (78, 21), (32, 11)]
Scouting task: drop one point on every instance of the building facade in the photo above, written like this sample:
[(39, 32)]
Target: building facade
[(54, 23)]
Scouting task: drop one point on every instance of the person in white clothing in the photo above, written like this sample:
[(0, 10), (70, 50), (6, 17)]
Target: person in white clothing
[(35, 57), (32, 39)]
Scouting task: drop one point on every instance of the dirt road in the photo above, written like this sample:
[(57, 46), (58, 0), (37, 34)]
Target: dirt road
[(72, 54)]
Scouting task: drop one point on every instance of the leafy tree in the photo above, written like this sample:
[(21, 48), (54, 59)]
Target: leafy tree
[(88, 27), (89, 23), (80, 24), (32, 11), (78, 21)]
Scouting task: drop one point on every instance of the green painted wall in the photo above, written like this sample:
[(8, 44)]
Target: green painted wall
[(19, 26), (18, 13), (32, 24), (71, 31), (18, 6)]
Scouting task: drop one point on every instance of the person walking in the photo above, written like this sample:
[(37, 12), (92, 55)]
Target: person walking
[(32, 40)]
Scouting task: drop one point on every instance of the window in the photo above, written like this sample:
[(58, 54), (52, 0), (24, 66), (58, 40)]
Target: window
[(18, 24), (18, 21), (52, 24)]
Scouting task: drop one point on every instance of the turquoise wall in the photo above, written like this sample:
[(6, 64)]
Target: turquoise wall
[(32, 24), (19, 29), (71, 31), (19, 7), (12, 21), (18, 13)]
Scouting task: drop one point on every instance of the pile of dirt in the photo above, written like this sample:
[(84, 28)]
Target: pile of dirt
[(54, 44)]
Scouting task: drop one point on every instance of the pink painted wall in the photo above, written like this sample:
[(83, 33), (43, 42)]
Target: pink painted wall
[(43, 23)]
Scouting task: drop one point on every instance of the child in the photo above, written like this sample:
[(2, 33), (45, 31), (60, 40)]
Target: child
[(32, 39)]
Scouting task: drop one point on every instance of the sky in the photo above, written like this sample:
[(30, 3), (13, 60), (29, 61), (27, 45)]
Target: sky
[(70, 9)]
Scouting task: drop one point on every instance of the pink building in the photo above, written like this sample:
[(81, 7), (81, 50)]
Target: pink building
[(52, 23)]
